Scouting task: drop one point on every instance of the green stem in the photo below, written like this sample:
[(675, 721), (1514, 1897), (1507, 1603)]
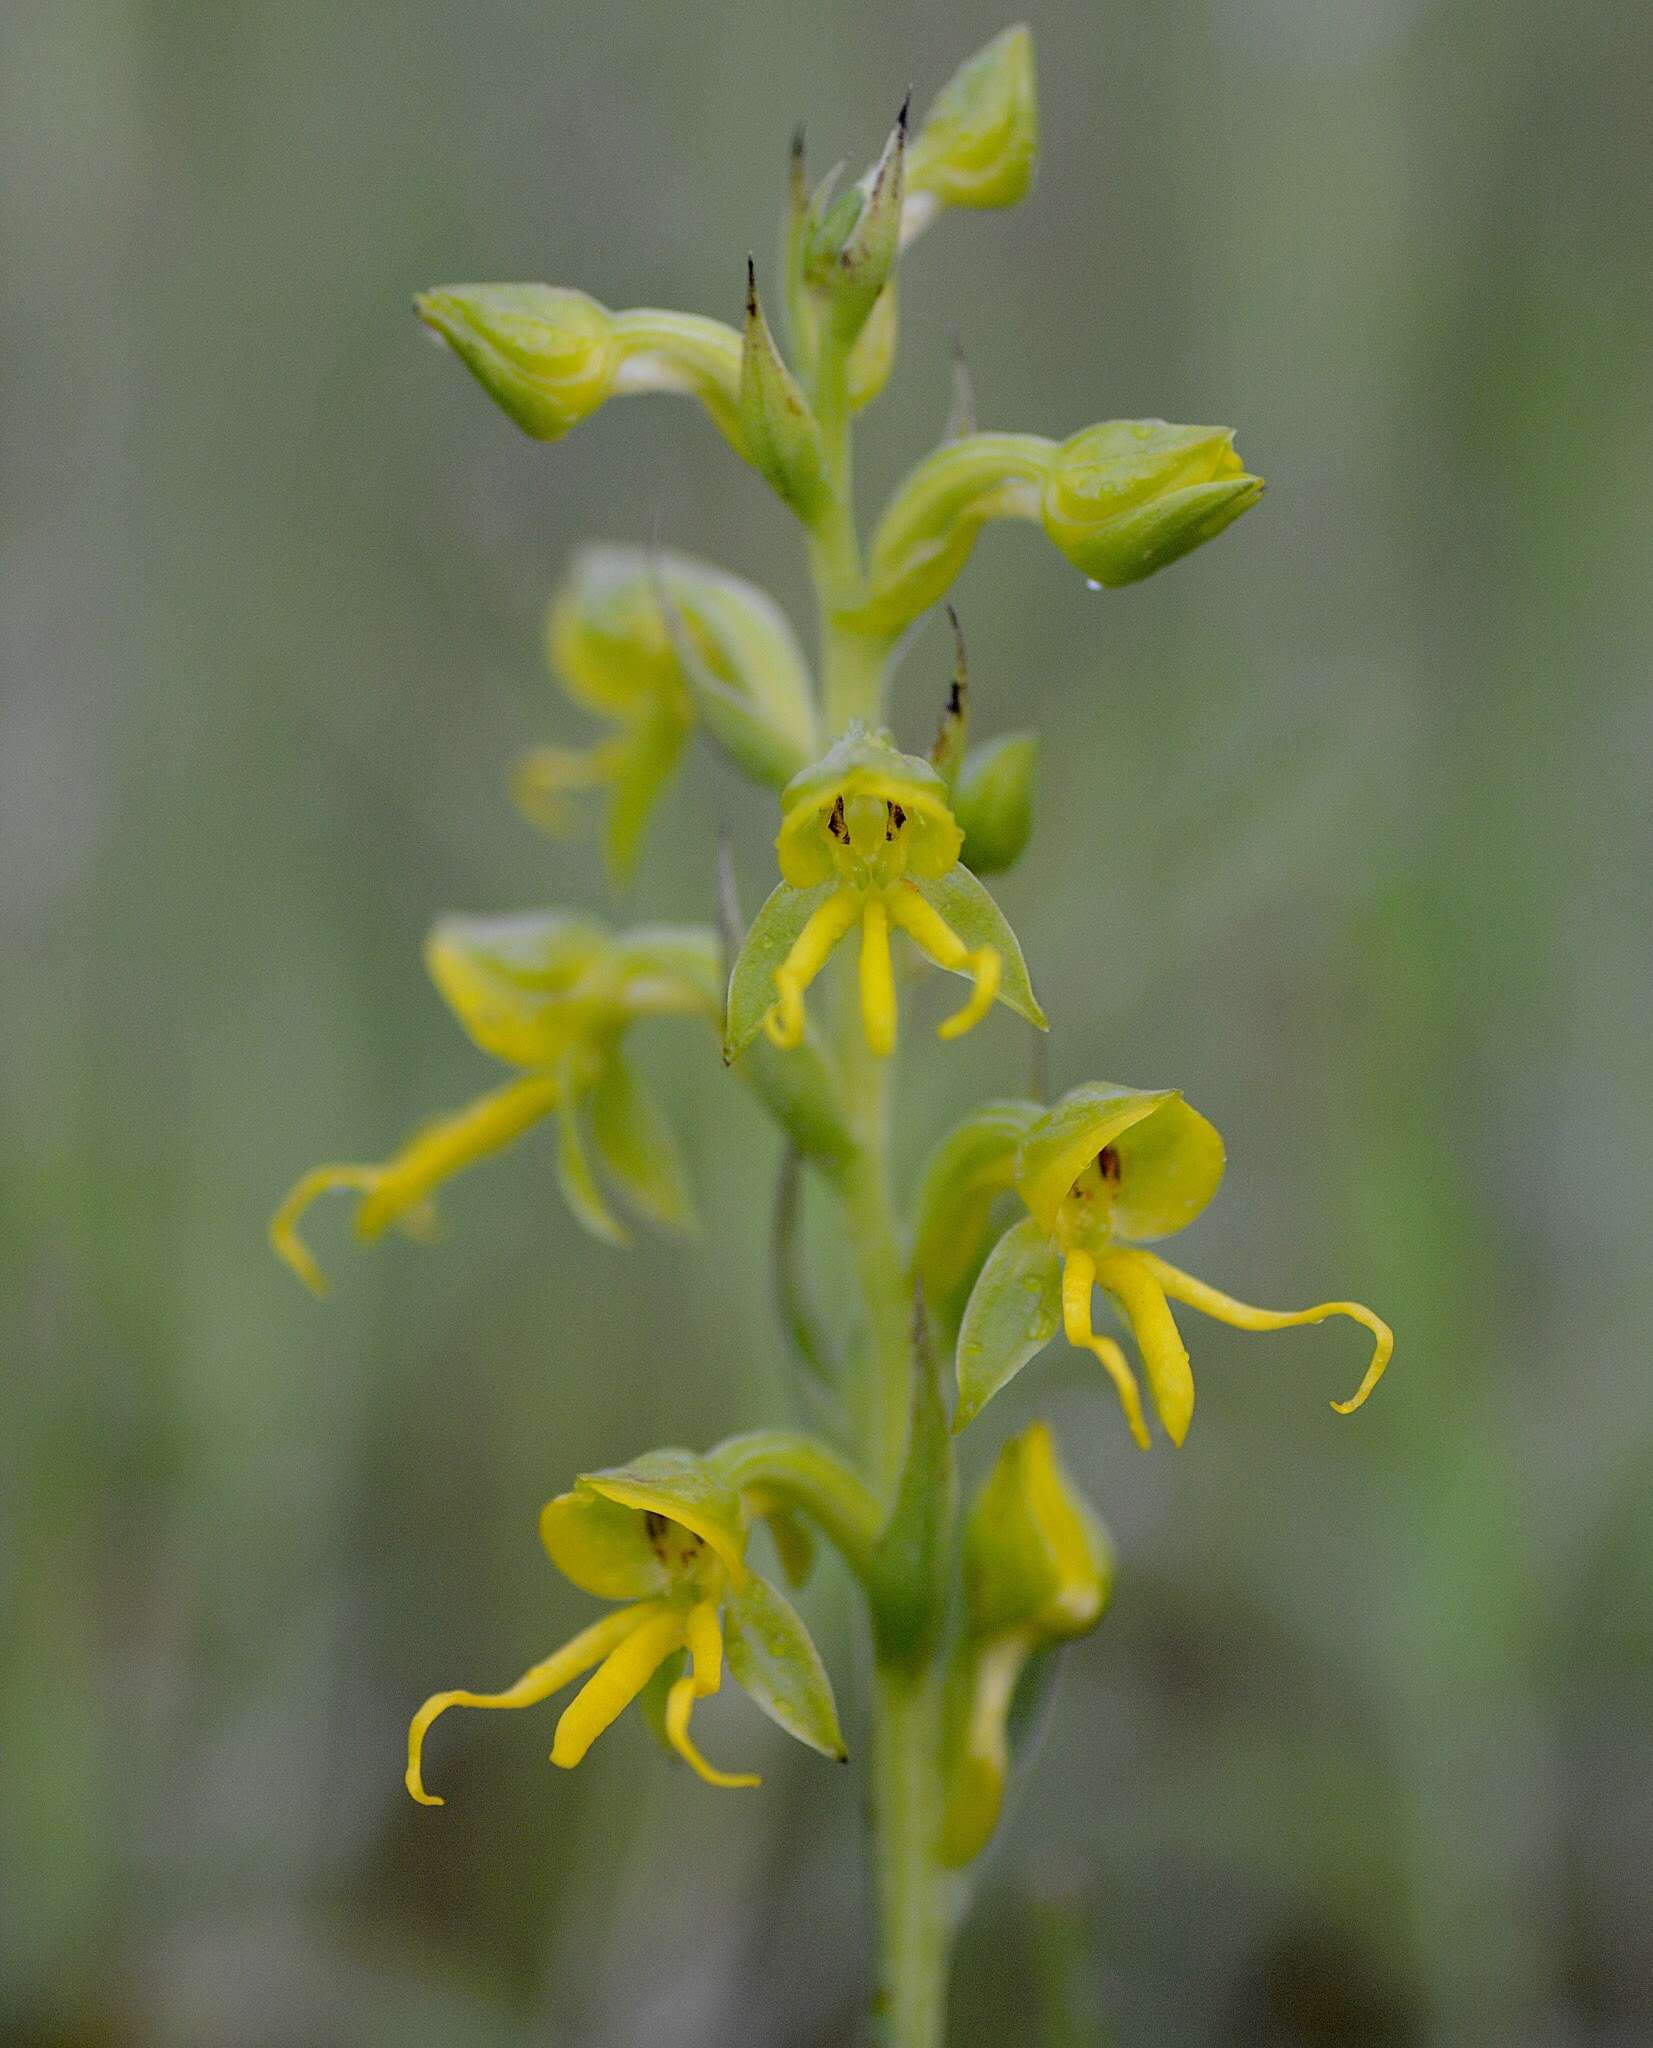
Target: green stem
[(913, 1913)]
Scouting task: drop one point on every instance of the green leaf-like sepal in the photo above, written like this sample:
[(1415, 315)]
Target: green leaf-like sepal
[(979, 921), (675, 1486), (1014, 1310), (774, 930), (773, 1660), (636, 1144), (783, 436), (973, 1165), (1170, 1157), (579, 1182)]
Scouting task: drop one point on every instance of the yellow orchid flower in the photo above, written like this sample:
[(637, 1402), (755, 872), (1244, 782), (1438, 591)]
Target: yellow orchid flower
[(653, 643), (1104, 1172), (665, 1535), (867, 838), (552, 996)]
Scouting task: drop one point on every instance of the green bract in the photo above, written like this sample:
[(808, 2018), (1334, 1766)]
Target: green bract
[(993, 801), (775, 1663)]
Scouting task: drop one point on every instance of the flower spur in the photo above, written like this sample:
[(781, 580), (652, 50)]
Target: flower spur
[(666, 1535), (553, 996), (868, 838), (1102, 1173)]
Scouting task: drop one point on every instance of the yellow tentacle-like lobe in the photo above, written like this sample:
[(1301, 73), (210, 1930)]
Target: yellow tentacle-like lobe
[(543, 779), (589, 1647), (700, 1681), (936, 938), (1078, 1278), (783, 1021), (616, 1683), (1223, 1308), (1129, 1278), (398, 1190), (878, 1016)]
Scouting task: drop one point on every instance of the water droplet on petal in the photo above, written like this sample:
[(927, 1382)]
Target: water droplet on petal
[(1092, 584)]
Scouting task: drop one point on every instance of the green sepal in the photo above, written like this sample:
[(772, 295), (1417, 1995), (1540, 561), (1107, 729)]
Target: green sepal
[(969, 1169), (545, 354), (774, 1661), (979, 921), (654, 746), (1170, 1157), (774, 931), (783, 436), (1014, 1310), (679, 1486), (636, 1144), (908, 1585), (579, 1183), (993, 801)]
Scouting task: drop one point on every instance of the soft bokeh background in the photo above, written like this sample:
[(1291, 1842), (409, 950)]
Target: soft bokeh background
[(1343, 827)]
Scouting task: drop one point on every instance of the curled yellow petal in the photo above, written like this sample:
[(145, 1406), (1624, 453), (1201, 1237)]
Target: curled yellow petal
[(1078, 1278), (679, 1706), (1241, 1315), (878, 1012), (285, 1241), (589, 1647), (1130, 1278), (936, 938), (783, 1022), (616, 1683), (399, 1190)]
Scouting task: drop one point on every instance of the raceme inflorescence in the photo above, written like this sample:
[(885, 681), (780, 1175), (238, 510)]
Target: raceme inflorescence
[(1027, 1211)]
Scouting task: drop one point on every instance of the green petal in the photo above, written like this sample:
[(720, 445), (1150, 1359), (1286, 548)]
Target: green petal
[(636, 1144), (654, 747), (784, 914), (684, 1488), (522, 986), (967, 1171), (1171, 1158), (579, 1183), (1014, 1310), (979, 921), (773, 1660)]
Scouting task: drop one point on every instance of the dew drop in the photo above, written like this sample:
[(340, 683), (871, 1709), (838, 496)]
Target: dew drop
[(1092, 584)]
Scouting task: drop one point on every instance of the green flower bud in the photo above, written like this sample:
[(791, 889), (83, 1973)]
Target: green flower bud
[(1037, 1561), (1127, 497), (782, 434), (980, 144), (993, 801), (547, 355), (854, 245)]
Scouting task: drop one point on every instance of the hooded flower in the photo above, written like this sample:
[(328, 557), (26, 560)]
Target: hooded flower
[(666, 1537), (552, 996), (867, 838), (1104, 1172)]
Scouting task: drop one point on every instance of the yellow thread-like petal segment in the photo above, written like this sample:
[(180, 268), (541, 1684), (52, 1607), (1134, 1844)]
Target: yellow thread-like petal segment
[(285, 1241), (705, 1641), (1128, 1276), (878, 1014), (679, 1706), (933, 935), (543, 779), (400, 1187), (1225, 1309), (1078, 1278), (589, 1647), (618, 1681), (783, 1022)]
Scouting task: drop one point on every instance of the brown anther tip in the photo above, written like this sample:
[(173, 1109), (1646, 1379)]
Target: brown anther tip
[(906, 108), (797, 148), (751, 289)]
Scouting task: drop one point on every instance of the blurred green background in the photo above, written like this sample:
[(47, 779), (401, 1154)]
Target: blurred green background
[(1343, 828)]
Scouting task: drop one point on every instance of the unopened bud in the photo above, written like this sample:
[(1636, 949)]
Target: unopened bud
[(1127, 497), (993, 801), (854, 246), (546, 354), (980, 143), (1037, 1561)]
